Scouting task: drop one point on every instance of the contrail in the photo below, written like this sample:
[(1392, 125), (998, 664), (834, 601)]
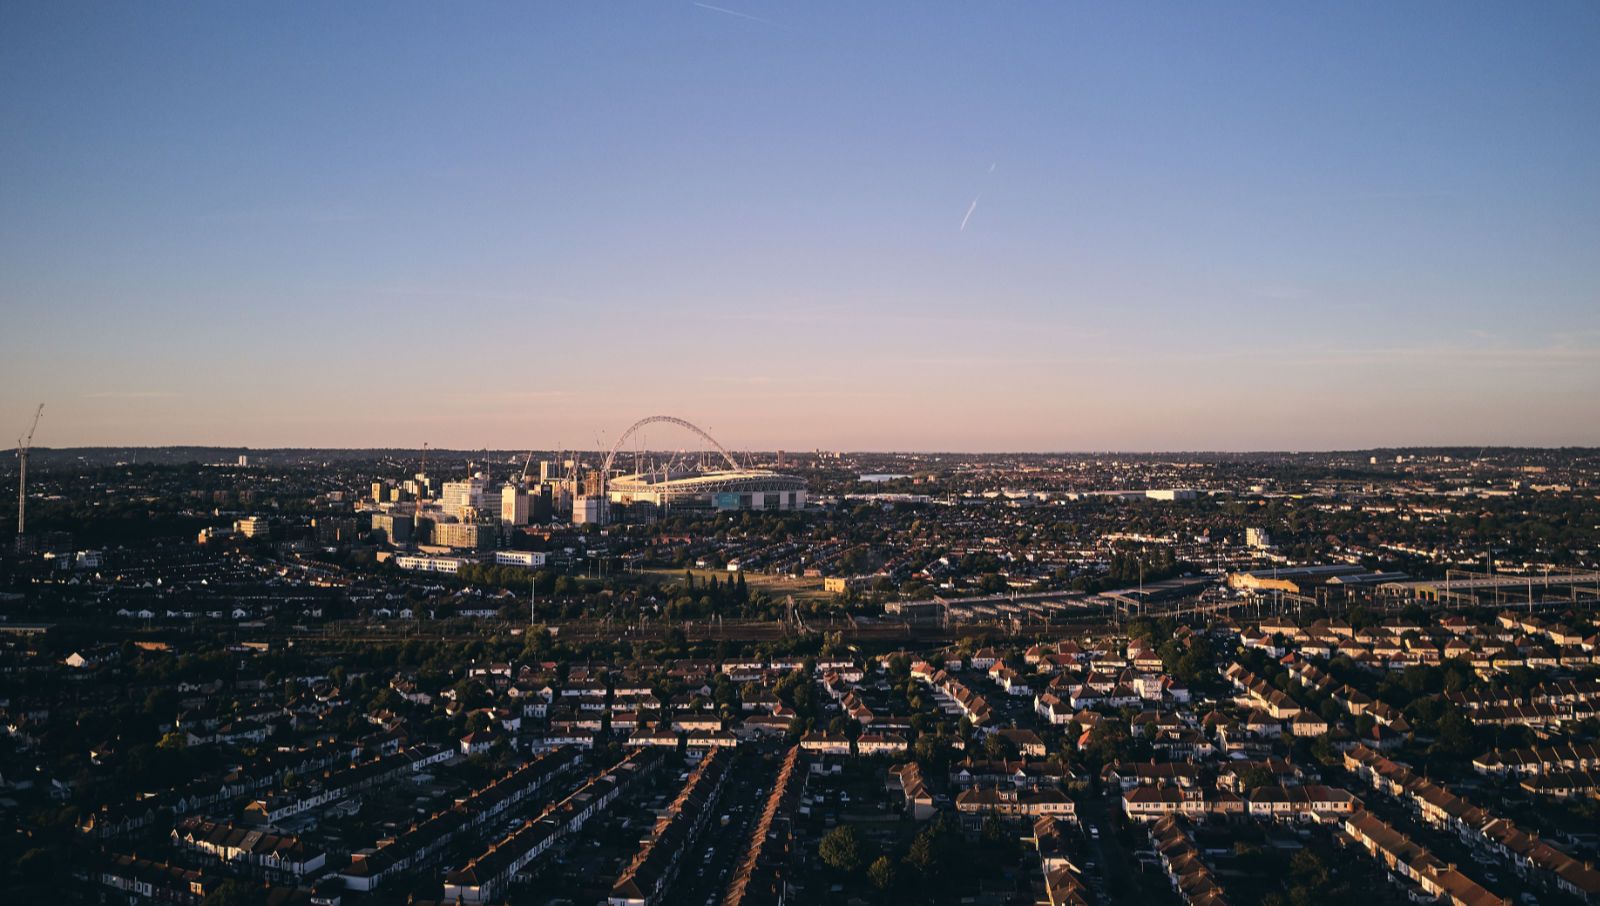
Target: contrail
[(970, 208), (734, 12), (974, 206)]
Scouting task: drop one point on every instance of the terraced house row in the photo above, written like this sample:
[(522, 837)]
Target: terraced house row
[(644, 881), (423, 842), (1563, 784), (1311, 802), (149, 879), (761, 878), (1520, 641), (954, 696), (1026, 804), (250, 777), (1412, 861), (275, 855), (1063, 886), (1531, 857), (1190, 877), (487, 875), (336, 785), (1260, 694), (1552, 692)]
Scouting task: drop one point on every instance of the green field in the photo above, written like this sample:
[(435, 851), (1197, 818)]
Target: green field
[(775, 587)]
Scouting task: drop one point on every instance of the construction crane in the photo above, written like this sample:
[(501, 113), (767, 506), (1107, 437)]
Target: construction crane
[(24, 444), (422, 492), (525, 464)]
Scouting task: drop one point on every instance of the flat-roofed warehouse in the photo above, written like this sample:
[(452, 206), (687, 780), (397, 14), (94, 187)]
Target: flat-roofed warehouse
[(1294, 580)]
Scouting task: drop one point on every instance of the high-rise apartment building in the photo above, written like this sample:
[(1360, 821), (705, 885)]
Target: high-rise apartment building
[(465, 535), (392, 528), (513, 505), (468, 500), (253, 527)]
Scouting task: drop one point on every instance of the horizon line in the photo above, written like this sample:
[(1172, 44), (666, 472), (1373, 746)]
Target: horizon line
[(839, 451)]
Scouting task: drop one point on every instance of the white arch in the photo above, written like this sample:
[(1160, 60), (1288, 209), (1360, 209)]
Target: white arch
[(605, 467)]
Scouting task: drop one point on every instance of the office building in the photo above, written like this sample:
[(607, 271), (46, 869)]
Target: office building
[(588, 509), (447, 565), (335, 529), (514, 505), (528, 559), (468, 500), (392, 528), (465, 535), (252, 527)]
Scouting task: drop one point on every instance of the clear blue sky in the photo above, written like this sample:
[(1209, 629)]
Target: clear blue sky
[(1218, 225)]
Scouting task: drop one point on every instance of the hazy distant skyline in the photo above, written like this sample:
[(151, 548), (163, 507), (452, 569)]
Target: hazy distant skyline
[(862, 227)]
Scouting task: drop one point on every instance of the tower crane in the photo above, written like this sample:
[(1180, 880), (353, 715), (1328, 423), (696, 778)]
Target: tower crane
[(24, 444), (422, 492)]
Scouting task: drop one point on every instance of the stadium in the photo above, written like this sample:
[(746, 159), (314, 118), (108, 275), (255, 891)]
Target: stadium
[(682, 482)]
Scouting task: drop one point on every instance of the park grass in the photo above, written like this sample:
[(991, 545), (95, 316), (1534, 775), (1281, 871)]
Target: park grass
[(774, 586)]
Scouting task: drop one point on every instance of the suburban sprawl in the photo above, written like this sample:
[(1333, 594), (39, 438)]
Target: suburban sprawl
[(444, 677)]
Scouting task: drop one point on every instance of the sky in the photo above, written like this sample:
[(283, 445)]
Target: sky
[(885, 226)]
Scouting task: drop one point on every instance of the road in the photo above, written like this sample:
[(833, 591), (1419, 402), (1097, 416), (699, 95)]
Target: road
[(712, 860), (1117, 876)]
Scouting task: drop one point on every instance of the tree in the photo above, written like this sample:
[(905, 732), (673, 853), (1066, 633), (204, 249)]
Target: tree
[(921, 857), (1455, 736), (999, 748), (931, 851), (1364, 724), (993, 831), (841, 849), (881, 873), (1308, 868), (1109, 741), (932, 750), (38, 863), (161, 703), (236, 893), (1255, 777)]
